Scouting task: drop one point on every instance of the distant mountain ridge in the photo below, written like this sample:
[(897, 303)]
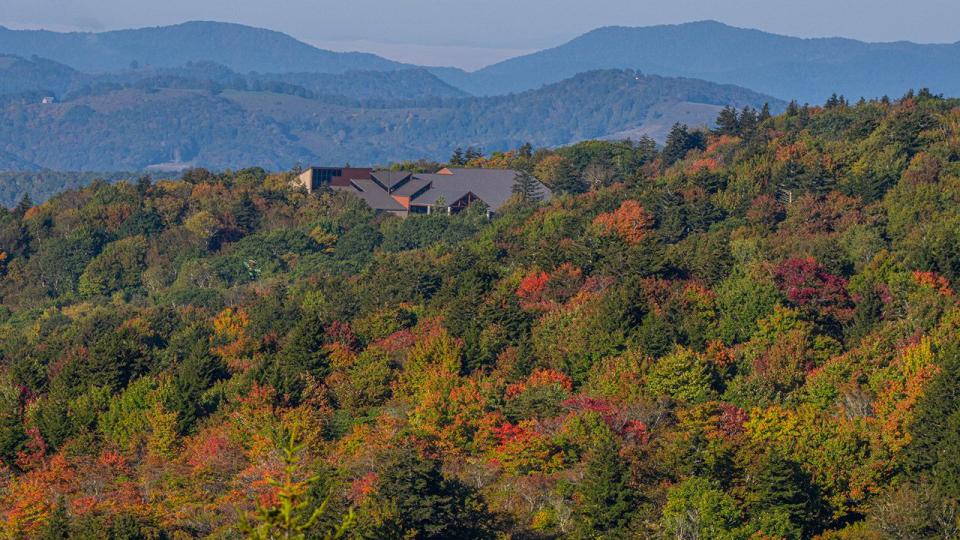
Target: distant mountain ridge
[(242, 48), (786, 67), (134, 128), (19, 75), (809, 70)]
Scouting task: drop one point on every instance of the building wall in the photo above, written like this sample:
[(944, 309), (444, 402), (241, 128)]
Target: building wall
[(315, 177), (305, 179)]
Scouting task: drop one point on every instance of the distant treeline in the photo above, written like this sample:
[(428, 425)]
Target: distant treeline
[(41, 185)]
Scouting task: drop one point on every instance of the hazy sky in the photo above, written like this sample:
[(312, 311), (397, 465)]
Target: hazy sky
[(472, 32)]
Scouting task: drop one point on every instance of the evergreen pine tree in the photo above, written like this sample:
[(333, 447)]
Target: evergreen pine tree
[(194, 376), (728, 123), (52, 418), (414, 500), (568, 181), (12, 434), (245, 213), (298, 512), (607, 501), (57, 526), (526, 187), (764, 114), (457, 159), (868, 312), (748, 121), (525, 150), (144, 183), (935, 447), (781, 487), (679, 142), (472, 154), (25, 204), (303, 354)]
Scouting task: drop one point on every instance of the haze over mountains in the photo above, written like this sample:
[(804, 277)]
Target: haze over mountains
[(59, 80), (171, 126), (242, 48), (808, 70), (227, 95)]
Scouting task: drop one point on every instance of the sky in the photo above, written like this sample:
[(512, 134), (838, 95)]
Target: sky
[(472, 33)]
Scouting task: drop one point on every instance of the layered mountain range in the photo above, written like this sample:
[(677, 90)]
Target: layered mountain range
[(226, 95)]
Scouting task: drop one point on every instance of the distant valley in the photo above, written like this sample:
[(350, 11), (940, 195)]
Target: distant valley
[(224, 95), (136, 127)]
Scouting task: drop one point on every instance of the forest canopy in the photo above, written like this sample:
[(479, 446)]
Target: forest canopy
[(751, 332)]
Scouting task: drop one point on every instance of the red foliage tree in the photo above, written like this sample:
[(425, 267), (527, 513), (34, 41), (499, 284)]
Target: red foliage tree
[(808, 285)]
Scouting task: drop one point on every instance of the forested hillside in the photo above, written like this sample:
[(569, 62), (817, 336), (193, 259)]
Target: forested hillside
[(808, 70), (240, 47), (752, 333), (20, 75), (178, 120)]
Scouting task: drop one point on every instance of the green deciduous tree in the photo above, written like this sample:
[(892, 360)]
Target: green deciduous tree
[(683, 375)]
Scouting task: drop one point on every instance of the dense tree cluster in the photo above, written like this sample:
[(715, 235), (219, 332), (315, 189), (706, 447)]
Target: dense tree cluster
[(753, 336)]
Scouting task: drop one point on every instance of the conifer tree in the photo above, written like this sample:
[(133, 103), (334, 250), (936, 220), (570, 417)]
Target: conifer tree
[(245, 213), (748, 121), (568, 181), (303, 354), (12, 434), (25, 204), (194, 376), (679, 142), (525, 150), (414, 500), (296, 514), (867, 313), (457, 159), (781, 488), (526, 187), (57, 526), (728, 123), (935, 447), (764, 114), (607, 501)]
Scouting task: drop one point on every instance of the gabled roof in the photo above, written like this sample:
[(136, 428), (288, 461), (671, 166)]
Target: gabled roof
[(373, 195), (432, 195), (492, 186), (411, 188), (390, 179)]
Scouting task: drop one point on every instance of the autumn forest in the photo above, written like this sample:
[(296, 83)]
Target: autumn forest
[(749, 332)]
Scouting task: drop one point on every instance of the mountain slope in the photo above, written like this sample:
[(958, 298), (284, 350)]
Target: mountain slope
[(134, 128), (787, 67), (242, 48), (37, 74)]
